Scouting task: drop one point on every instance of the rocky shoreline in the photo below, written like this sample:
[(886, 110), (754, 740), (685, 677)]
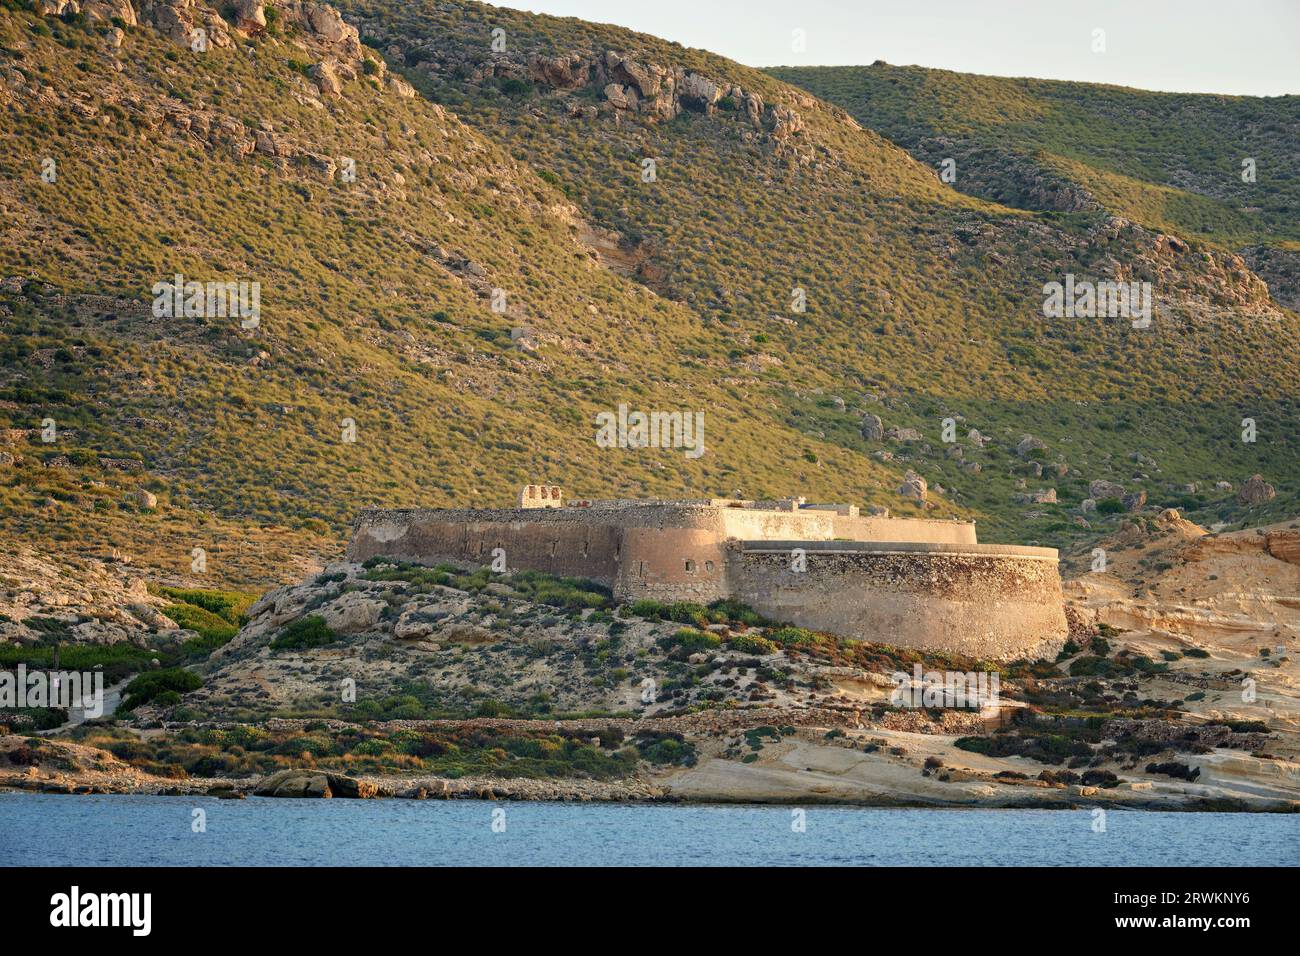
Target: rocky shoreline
[(800, 771)]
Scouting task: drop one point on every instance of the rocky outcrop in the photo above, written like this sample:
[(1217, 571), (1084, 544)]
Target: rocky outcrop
[(108, 10), (623, 82), (1046, 496), (1100, 490), (1135, 501), (1029, 444), (1284, 544), (914, 486), (903, 434), (352, 614), (249, 16), (326, 77), (97, 600), (314, 783), (181, 20), (1255, 491), (873, 429)]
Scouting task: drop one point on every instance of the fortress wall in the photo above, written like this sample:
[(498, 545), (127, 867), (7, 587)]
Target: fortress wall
[(990, 602), (749, 524), (926, 530), (545, 540)]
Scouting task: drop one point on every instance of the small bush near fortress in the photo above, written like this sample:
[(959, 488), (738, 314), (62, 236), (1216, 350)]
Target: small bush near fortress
[(306, 632), (228, 605), (797, 636), (751, 644), (735, 611), (687, 612), (574, 593), (693, 640)]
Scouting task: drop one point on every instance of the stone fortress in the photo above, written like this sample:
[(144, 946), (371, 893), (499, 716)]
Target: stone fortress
[(917, 583)]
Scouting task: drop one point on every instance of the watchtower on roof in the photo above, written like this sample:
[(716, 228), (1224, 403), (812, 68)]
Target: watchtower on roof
[(541, 496)]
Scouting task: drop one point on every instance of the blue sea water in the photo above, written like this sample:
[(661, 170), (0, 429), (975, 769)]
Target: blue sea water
[(58, 830)]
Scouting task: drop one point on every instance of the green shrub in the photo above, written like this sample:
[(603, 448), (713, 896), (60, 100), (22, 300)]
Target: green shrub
[(665, 749), (164, 686), (228, 605), (693, 640), (752, 644), (798, 636), (306, 632)]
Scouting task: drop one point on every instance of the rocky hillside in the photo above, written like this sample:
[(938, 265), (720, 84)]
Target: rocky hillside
[(393, 680), (463, 256)]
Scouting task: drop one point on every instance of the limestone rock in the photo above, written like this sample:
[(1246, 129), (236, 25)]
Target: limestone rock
[(326, 77), (249, 16), (178, 20), (401, 87), (1029, 444), (267, 144), (699, 92), (1255, 491), (1135, 501), (559, 72), (914, 486), (1100, 490), (1284, 545), (314, 783), (620, 97), (903, 434), (326, 22), (873, 429), (107, 10), (352, 613), (146, 499)]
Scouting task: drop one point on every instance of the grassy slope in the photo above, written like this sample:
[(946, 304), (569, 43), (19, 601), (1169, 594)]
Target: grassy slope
[(1172, 161), (357, 321), (917, 293)]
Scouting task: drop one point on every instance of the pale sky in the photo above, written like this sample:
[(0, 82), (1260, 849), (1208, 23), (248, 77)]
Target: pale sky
[(1193, 46)]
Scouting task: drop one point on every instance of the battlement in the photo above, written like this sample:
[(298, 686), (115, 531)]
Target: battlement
[(541, 496)]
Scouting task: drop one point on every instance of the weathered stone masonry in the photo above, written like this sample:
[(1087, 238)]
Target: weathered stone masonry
[(911, 582)]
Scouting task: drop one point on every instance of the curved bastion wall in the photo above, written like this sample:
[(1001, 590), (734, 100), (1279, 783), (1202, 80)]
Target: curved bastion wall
[(987, 601), (937, 590)]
